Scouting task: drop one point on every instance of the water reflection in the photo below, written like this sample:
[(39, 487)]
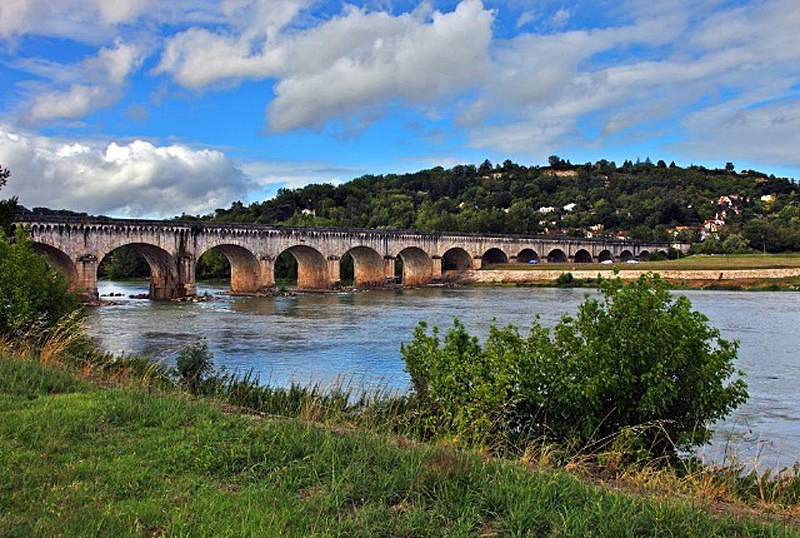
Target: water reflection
[(325, 337)]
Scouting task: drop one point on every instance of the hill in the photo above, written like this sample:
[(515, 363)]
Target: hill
[(736, 211)]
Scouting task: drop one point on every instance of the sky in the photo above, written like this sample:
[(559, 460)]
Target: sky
[(153, 108)]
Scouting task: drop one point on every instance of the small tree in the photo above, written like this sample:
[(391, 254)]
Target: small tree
[(635, 357), (33, 297)]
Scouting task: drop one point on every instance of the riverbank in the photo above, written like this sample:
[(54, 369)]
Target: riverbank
[(757, 272), (128, 457)]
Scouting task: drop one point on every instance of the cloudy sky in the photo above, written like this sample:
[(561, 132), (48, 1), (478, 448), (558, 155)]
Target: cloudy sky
[(156, 107)]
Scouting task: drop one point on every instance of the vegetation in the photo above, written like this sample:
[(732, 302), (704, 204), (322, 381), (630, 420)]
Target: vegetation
[(8, 208), (33, 297), (648, 201), (636, 363), (80, 460)]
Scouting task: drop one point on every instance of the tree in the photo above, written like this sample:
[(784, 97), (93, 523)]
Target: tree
[(8, 208), (636, 360), (33, 297), (729, 167)]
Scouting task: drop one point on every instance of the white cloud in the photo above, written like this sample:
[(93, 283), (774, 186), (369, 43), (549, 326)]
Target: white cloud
[(135, 179), (349, 65), (365, 60), (83, 20), (687, 57), (78, 89), (767, 134)]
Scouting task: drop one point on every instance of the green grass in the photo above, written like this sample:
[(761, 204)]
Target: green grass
[(695, 262), (80, 460)]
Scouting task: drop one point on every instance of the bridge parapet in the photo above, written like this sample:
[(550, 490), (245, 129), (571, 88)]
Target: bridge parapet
[(76, 245)]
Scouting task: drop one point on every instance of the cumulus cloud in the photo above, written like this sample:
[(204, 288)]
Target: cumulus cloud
[(351, 64), (134, 179)]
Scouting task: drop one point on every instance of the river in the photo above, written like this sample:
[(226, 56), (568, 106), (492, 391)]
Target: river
[(354, 338)]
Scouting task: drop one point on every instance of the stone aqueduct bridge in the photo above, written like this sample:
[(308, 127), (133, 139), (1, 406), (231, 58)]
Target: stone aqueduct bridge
[(77, 245)]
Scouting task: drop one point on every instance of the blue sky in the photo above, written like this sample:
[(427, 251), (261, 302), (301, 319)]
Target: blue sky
[(155, 107)]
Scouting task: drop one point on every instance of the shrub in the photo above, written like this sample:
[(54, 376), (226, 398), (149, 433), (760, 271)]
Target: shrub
[(564, 279), (195, 364), (33, 297), (636, 357)]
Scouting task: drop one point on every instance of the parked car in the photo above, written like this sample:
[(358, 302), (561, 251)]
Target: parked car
[(607, 262), (632, 261), (534, 261)]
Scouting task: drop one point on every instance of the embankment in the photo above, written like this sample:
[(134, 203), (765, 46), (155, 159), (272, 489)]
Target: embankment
[(499, 276)]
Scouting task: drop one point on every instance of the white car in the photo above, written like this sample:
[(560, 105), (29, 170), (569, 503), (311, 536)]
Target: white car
[(606, 262), (632, 261)]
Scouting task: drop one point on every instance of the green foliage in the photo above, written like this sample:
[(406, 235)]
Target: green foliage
[(33, 297), (641, 198), (195, 364), (123, 263), (564, 279), (637, 361), (213, 265)]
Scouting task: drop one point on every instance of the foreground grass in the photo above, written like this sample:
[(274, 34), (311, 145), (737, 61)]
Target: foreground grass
[(696, 262), (80, 460)]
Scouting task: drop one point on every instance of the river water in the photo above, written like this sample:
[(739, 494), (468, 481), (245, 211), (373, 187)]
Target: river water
[(354, 338)]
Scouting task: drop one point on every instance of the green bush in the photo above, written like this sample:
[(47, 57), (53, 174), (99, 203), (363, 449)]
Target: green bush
[(637, 361), (195, 364), (33, 297), (564, 279)]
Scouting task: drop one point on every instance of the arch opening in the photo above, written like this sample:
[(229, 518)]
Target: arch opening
[(527, 255), (494, 256), (625, 255), (583, 256), (644, 255), (125, 261), (604, 256), (232, 262), (59, 261), (304, 265), (414, 265), (456, 259), (556, 256), (362, 267)]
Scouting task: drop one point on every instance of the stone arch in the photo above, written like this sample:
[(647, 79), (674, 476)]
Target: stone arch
[(494, 255), (625, 256), (417, 266), (644, 255), (527, 255), (583, 256), (368, 267), (556, 256), (456, 259), (605, 255), (58, 260), (245, 267), (165, 281), (312, 268)]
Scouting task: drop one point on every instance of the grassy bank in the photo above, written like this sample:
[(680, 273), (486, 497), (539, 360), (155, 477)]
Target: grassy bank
[(78, 459)]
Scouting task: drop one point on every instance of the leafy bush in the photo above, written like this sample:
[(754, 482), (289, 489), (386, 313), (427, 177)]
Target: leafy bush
[(636, 357), (564, 279), (195, 364), (33, 297)]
